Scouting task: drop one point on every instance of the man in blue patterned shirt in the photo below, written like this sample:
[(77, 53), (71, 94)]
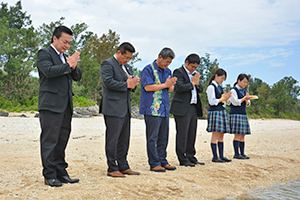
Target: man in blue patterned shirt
[(156, 83)]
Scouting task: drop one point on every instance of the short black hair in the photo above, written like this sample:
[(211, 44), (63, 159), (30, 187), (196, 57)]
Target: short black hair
[(126, 46), (166, 52), (61, 29), (193, 58)]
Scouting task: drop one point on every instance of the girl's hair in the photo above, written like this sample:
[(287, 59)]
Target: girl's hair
[(219, 72), (241, 77)]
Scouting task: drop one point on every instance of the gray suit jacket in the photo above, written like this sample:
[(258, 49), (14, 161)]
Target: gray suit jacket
[(116, 96), (55, 81), (183, 94)]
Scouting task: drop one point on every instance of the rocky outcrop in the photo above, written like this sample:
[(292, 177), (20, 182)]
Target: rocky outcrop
[(135, 113), (86, 112), (4, 114)]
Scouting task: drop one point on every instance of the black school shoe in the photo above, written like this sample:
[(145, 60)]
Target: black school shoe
[(238, 157), (245, 157), (225, 159), (217, 160)]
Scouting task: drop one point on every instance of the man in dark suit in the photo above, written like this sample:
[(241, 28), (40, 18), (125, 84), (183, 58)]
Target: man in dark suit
[(56, 72), (186, 107), (118, 82)]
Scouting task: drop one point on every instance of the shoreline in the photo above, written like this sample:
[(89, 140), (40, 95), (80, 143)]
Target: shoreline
[(272, 147)]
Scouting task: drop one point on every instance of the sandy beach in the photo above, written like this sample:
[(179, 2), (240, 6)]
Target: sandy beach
[(273, 148)]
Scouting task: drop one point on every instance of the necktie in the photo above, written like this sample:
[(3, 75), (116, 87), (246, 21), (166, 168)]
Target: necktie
[(61, 55), (124, 69), (220, 89), (243, 91)]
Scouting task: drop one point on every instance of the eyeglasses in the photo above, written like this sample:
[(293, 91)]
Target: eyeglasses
[(127, 58), (194, 67)]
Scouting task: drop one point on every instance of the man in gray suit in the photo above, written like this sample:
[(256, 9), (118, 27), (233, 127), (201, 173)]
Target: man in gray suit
[(118, 82), (186, 107), (56, 72)]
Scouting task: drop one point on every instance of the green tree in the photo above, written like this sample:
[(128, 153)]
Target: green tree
[(285, 93), (18, 50), (206, 68), (254, 84), (45, 31), (93, 53)]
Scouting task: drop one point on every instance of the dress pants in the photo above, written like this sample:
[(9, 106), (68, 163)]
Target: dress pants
[(117, 142), (186, 128), (56, 128), (157, 133)]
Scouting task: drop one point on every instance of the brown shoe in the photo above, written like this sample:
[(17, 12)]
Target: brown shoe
[(130, 172), (169, 167), (158, 169), (115, 174)]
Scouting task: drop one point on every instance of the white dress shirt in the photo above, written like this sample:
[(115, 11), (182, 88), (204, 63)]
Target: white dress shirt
[(123, 67), (194, 91), (211, 95), (234, 97), (60, 54)]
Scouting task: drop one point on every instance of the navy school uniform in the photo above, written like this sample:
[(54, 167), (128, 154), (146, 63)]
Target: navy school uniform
[(217, 116), (239, 123)]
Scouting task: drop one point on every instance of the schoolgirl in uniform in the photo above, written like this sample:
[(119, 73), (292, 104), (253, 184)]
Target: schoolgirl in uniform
[(239, 124), (218, 122)]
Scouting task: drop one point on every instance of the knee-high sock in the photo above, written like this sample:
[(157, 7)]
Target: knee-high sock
[(214, 150), (236, 145), (221, 149), (242, 148)]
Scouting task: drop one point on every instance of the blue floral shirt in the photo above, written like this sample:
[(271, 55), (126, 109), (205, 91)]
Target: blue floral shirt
[(154, 103)]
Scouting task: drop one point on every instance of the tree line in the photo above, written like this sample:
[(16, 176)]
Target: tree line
[(20, 42)]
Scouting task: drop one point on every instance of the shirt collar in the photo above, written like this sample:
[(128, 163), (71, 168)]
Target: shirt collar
[(156, 66), (117, 59), (187, 71), (214, 82), (55, 49), (238, 87)]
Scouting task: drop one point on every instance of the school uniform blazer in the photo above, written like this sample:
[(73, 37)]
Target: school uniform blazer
[(116, 96), (55, 90), (183, 94)]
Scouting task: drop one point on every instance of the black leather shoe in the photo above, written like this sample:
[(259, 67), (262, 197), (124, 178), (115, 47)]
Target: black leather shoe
[(217, 160), (53, 182), (238, 157), (245, 157), (187, 164), (67, 179), (199, 163), (225, 159)]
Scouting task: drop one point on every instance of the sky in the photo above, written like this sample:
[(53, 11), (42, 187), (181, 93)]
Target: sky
[(257, 37)]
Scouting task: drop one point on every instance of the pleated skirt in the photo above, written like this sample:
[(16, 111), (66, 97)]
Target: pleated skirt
[(239, 124), (217, 121)]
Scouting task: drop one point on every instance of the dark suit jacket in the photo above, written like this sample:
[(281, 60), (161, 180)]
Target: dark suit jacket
[(116, 96), (55, 81), (183, 94)]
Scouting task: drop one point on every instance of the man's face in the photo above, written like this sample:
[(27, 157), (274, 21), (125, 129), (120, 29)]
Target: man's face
[(163, 63), (123, 58), (63, 43), (191, 67)]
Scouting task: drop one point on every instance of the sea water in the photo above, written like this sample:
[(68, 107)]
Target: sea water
[(288, 191)]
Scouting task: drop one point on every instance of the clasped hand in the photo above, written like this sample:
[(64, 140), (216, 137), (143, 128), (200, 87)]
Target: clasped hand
[(132, 82), (226, 96), (73, 60), (195, 79), (170, 82)]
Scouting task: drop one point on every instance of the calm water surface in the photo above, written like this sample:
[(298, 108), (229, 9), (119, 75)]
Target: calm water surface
[(287, 191)]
